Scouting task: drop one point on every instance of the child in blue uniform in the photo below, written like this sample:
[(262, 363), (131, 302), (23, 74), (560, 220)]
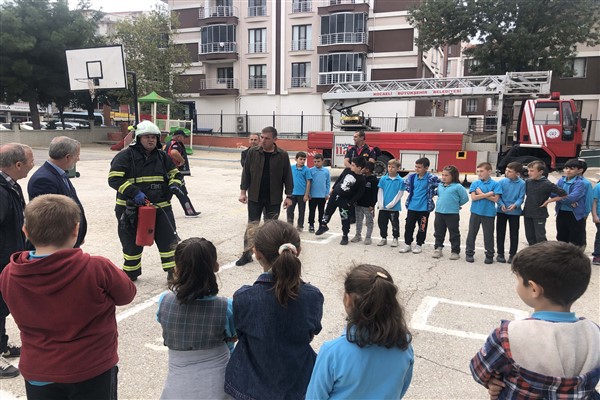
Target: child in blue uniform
[(509, 210), (300, 194), (319, 191), (374, 358), (391, 189)]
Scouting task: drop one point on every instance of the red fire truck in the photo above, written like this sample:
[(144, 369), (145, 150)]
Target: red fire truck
[(548, 129)]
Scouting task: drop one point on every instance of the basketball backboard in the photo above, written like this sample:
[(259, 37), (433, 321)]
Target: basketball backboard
[(96, 68)]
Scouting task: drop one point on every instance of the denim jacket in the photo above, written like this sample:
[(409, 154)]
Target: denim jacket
[(273, 358), (432, 184)]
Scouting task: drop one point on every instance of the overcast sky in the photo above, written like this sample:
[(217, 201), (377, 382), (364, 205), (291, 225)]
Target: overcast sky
[(120, 5)]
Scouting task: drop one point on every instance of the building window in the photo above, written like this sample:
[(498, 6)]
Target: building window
[(490, 123), (300, 74), (343, 28), (577, 67), (341, 68), (257, 8), (257, 40), (218, 39), (257, 76), (301, 35), (225, 76), (471, 106), (299, 6)]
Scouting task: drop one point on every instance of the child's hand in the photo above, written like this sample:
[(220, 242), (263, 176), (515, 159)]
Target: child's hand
[(574, 204), (504, 209), (306, 197), (596, 220), (511, 207), (544, 204), (478, 191), (495, 386)]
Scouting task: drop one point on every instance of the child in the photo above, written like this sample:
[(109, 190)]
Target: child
[(571, 210), (391, 189), (374, 358), (319, 191), (537, 191), (276, 319), (63, 302), (365, 206), (553, 354), (484, 195), (509, 210), (177, 151), (421, 186), (348, 188), (302, 180), (198, 349), (596, 219), (451, 197)]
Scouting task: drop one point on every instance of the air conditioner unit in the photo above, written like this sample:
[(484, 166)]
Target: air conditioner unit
[(240, 123)]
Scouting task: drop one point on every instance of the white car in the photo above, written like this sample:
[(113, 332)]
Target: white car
[(28, 126), (5, 127)]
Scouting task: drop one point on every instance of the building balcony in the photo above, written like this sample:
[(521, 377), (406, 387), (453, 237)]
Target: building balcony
[(219, 86), (257, 83), (218, 15), (254, 48), (257, 11), (301, 82), (336, 6), (331, 78), (302, 7), (302, 45), (343, 38), (218, 52)]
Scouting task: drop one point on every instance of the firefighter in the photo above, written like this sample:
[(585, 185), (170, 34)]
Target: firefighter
[(141, 173)]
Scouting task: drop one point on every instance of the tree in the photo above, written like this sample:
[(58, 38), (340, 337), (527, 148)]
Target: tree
[(151, 53), (34, 36), (510, 35)]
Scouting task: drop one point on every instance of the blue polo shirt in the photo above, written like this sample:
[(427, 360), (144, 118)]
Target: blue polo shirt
[(485, 207), (300, 175), (597, 197), (391, 187), (321, 182), (418, 201), (450, 198), (513, 192)]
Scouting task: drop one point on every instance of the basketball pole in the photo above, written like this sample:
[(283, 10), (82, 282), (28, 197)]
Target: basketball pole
[(135, 96)]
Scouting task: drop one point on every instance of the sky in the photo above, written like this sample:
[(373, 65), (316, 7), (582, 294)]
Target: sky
[(120, 5)]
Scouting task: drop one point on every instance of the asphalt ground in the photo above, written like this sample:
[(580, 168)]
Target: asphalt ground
[(451, 305)]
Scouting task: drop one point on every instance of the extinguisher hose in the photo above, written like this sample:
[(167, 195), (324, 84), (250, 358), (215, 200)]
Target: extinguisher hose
[(170, 224)]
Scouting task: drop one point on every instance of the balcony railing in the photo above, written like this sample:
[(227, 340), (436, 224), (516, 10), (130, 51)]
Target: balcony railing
[(219, 83), (257, 11), (257, 47), (218, 47), (302, 44), (302, 6), (257, 83), (330, 78), (343, 37), (325, 3), (217, 11), (301, 82)]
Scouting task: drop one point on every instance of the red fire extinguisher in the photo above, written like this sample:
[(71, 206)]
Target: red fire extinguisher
[(145, 225)]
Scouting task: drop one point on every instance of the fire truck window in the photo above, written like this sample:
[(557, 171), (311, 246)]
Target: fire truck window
[(568, 121), (546, 113)]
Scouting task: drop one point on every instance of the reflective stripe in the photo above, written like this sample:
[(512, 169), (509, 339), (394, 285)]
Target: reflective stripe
[(143, 179), (163, 204), (123, 187), (172, 181), (116, 173), (121, 202), (134, 268), (173, 172), (167, 254), (168, 265), (131, 258)]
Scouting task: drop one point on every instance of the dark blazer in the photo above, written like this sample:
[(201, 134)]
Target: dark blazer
[(47, 180)]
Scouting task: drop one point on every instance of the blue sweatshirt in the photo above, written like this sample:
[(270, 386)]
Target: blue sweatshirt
[(321, 183), (450, 198), (513, 192), (576, 194)]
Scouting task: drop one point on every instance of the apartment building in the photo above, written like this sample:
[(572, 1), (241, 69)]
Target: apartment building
[(265, 57)]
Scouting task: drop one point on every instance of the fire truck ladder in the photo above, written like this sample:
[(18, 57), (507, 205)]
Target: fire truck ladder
[(514, 85)]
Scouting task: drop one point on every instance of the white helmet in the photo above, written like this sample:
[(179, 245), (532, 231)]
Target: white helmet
[(146, 128)]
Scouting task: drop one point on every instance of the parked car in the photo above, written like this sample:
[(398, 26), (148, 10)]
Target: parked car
[(56, 125), (28, 126), (5, 127)]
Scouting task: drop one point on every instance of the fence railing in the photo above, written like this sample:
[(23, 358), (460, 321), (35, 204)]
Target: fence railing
[(219, 83), (257, 83), (218, 47), (301, 44), (258, 47), (342, 37), (302, 6), (301, 82), (257, 11), (217, 11), (330, 78), (324, 3)]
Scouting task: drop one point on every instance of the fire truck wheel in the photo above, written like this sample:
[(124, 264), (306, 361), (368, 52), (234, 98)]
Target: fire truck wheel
[(381, 164)]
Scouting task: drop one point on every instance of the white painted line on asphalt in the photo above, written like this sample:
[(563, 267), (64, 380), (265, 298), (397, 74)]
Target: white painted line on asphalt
[(138, 307), (419, 318)]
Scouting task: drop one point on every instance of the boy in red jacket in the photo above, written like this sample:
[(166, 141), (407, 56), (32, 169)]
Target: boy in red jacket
[(63, 302)]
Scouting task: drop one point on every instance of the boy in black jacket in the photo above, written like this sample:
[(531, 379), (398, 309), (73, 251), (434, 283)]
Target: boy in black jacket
[(537, 192), (347, 189), (365, 206)]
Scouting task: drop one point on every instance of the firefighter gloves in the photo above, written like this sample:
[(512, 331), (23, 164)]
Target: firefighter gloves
[(140, 198)]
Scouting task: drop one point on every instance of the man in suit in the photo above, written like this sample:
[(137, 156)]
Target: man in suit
[(16, 160), (52, 178)]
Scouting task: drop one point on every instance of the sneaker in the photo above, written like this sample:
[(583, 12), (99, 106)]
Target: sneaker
[(454, 256), (311, 228), (11, 352), (356, 239), (437, 253), (244, 259), (510, 259), (417, 249), (595, 261), (344, 240), (469, 259), (7, 370), (368, 241), (394, 242), (489, 260), (300, 228), (322, 229), (405, 248), (382, 242), (500, 258), (195, 214)]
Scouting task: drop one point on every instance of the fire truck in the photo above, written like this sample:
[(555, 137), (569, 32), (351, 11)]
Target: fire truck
[(548, 127)]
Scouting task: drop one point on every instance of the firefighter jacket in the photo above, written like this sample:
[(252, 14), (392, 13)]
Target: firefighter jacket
[(132, 171)]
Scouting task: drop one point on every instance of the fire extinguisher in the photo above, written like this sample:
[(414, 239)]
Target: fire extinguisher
[(145, 225)]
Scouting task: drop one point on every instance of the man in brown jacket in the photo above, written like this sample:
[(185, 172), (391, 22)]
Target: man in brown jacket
[(266, 171)]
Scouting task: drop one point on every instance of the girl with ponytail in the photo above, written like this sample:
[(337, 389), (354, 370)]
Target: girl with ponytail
[(276, 319), (374, 358)]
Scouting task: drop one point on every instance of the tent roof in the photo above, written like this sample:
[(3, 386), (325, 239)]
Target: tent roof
[(153, 98)]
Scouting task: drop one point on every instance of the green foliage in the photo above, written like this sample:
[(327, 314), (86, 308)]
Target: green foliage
[(150, 52), (510, 35), (34, 36)]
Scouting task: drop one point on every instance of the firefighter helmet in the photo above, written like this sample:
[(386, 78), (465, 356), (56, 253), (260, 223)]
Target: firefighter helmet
[(146, 128)]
